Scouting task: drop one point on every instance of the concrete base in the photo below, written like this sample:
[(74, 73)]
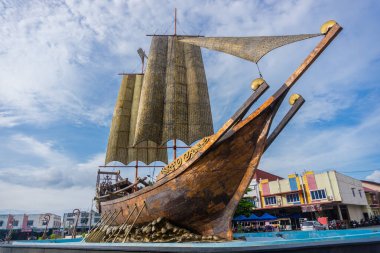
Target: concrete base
[(353, 246)]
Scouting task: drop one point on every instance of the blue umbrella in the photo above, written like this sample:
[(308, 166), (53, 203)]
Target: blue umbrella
[(267, 216), (239, 218), (252, 217)]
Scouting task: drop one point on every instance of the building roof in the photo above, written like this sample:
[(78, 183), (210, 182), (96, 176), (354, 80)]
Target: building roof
[(366, 189), (370, 182), (265, 175)]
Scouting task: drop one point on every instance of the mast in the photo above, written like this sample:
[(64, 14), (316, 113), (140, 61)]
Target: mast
[(142, 55), (175, 34), (175, 21)]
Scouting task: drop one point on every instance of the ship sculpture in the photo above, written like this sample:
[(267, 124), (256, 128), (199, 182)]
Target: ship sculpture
[(199, 190)]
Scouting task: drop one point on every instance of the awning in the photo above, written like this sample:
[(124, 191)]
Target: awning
[(239, 218), (252, 217), (267, 216)]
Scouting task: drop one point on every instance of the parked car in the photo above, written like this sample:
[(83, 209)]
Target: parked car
[(311, 225)]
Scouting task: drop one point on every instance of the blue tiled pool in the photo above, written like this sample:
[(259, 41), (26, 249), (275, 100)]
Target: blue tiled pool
[(52, 241), (286, 237), (252, 239)]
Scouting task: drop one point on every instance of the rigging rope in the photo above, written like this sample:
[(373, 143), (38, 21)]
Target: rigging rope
[(178, 23), (169, 27), (257, 65)]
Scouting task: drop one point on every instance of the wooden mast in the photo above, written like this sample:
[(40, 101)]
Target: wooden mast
[(175, 21), (137, 149), (175, 34)]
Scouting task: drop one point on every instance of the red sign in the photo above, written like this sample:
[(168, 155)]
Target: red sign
[(10, 221), (25, 227)]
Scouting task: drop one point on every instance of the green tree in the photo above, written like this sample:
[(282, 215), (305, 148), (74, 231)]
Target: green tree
[(245, 206)]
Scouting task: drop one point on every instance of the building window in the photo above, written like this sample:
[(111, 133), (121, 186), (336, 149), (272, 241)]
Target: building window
[(270, 201), (353, 191), (360, 193), (29, 223), (293, 198), (15, 223), (1, 223), (96, 220), (318, 194), (84, 221)]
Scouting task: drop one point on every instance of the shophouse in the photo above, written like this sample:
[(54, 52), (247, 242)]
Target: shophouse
[(254, 192), (328, 194), (24, 225), (372, 192)]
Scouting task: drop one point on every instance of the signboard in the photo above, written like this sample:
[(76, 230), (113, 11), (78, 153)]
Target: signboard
[(311, 208)]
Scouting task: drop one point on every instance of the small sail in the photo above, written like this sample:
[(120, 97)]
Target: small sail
[(248, 48), (174, 99), (123, 127)]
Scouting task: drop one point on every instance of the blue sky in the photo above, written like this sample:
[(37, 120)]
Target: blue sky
[(58, 83)]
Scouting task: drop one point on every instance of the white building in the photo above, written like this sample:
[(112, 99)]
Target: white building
[(86, 219), (29, 222)]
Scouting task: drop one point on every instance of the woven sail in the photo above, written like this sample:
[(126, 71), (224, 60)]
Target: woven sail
[(174, 98), (123, 127), (248, 48)]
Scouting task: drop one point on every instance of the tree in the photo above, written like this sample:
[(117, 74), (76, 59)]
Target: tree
[(245, 206)]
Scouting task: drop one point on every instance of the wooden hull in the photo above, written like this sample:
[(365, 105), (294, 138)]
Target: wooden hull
[(203, 196)]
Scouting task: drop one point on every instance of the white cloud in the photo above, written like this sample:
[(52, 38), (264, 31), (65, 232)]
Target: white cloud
[(43, 172), (41, 164), (40, 200), (375, 176), (344, 148)]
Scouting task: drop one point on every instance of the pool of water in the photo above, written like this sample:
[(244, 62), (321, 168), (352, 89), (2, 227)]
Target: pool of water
[(286, 237), (252, 239), (52, 241)]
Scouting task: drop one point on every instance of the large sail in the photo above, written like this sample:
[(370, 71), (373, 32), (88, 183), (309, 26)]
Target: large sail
[(123, 127), (248, 48), (174, 98)]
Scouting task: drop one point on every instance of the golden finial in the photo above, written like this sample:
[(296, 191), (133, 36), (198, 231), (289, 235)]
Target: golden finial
[(326, 26), (256, 83), (293, 98)]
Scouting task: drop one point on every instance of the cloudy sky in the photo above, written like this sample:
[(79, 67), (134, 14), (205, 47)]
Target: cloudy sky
[(58, 83)]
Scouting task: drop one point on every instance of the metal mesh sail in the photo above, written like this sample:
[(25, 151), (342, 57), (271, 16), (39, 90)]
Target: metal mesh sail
[(248, 48), (123, 127), (174, 98)]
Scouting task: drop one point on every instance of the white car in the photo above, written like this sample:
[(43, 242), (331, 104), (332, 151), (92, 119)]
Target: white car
[(312, 225)]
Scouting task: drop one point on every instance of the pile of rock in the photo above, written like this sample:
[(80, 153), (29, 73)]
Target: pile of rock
[(159, 230)]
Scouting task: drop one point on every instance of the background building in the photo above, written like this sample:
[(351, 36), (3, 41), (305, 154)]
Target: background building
[(372, 192), (86, 219), (254, 194), (25, 225), (328, 194)]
